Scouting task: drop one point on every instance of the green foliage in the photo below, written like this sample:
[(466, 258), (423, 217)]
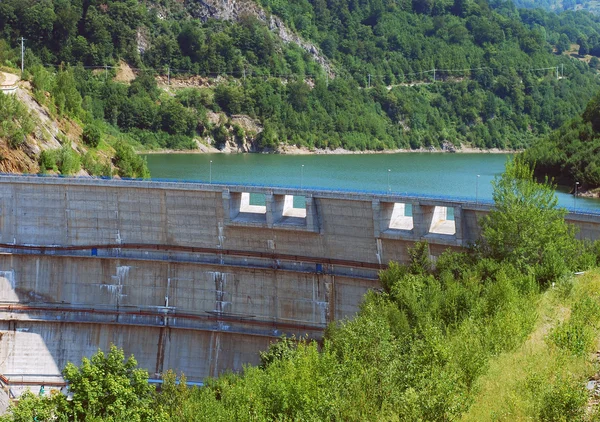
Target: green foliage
[(95, 166), (129, 164), (32, 407), (173, 393), (48, 160), (526, 228), (105, 387), (498, 104), (109, 387), (419, 258), (16, 122), (92, 135), (279, 350), (68, 160), (64, 160), (577, 334), (565, 400), (66, 96)]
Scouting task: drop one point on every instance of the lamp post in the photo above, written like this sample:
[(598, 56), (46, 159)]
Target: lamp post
[(477, 190), (389, 188), (302, 176), (575, 196), (210, 172)]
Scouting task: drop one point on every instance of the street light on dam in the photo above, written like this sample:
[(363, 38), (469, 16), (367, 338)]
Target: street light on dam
[(575, 195), (389, 188), (210, 172), (477, 190), (302, 176)]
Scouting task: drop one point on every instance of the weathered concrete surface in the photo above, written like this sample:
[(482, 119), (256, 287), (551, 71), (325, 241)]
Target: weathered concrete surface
[(192, 277)]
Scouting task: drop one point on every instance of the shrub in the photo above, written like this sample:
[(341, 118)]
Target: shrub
[(92, 135), (68, 160), (577, 334), (48, 160), (526, 227), (565, 400), (129, 164)]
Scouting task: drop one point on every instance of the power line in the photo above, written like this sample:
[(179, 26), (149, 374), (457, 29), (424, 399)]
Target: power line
[(437, 74)]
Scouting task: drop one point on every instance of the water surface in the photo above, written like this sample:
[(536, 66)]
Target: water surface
[(464, 176)]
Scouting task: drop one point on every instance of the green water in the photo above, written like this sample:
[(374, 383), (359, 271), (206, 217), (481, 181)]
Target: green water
[(467, 176)]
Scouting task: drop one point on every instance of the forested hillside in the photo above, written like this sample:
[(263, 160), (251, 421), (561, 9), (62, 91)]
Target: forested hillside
[(405, 74), (572, 153)]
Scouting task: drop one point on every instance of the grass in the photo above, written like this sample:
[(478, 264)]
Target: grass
[(529, 382)]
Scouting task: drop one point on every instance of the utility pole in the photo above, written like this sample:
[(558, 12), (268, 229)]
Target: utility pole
[(434, 74), (389, 187), (105, 72), (369, 80), (22, 55), (562, 70), (557, 73), (168, 76)]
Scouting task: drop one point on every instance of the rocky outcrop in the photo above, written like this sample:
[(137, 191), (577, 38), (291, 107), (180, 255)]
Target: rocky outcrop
[(241, 133), (233, 10)]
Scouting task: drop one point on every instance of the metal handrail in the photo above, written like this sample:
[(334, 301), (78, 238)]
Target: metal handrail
[(467, 200)]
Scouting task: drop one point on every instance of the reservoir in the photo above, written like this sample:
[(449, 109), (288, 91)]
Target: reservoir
[(453, 176)]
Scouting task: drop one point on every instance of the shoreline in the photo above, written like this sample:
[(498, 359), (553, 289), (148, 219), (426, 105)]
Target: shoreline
[(294, 150)]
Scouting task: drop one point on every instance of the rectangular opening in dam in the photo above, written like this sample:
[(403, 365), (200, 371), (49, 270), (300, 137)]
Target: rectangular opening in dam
[(289, 210), (401, 216), (442, 221), (252, 208), (295, 206), (253, 203)]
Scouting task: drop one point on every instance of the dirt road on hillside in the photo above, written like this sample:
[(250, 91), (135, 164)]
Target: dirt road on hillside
[(9, 79)]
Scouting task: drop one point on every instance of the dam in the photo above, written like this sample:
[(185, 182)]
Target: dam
[(197, 278)]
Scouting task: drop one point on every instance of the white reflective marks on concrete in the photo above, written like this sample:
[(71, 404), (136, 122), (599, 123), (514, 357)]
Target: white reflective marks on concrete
[(7, 287)]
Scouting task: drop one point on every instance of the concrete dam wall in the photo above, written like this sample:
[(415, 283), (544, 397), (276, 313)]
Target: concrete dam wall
[(197, 278)]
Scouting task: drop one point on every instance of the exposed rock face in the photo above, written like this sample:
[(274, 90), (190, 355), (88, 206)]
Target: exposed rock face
[(233, 143), (142, 40), (233, 10)]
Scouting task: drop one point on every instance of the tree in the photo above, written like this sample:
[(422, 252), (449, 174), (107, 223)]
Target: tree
[(128, 162), (563, 44), (584, 47), (592, 113), (91, 135), (109, 387), (106, 387), (66, 90), (525, 227)]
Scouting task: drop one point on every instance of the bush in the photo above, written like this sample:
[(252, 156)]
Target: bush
[(577, 334), (526, 227), (129, 164), (94, 166), (565, 400), (92, 135), (48, 160), (68, 160), (16, 122)]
